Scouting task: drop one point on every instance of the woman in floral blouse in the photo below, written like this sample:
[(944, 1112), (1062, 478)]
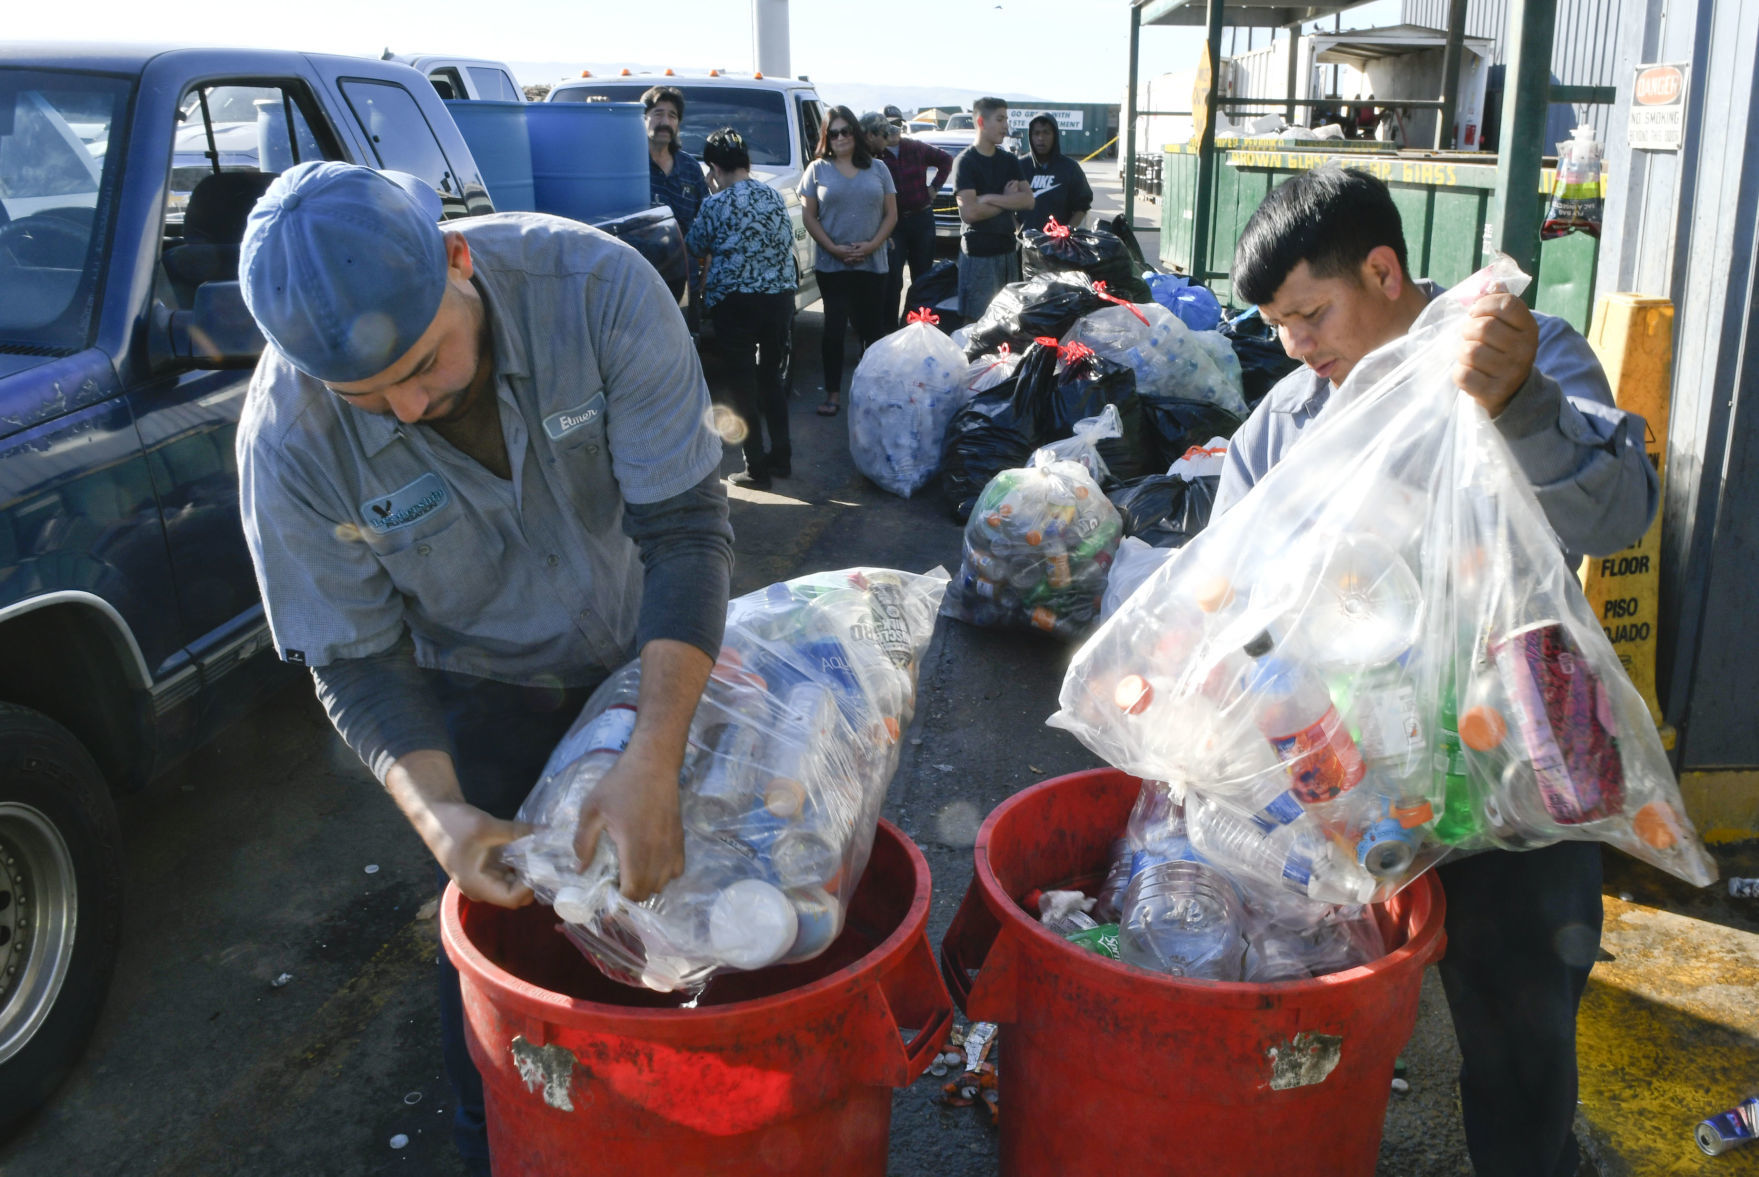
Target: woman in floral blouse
[(749, 293)]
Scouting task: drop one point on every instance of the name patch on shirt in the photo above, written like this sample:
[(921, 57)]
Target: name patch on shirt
[(559, 425), (411, 504)]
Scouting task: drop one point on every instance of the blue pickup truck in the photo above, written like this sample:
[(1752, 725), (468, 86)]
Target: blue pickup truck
[(130, 625)]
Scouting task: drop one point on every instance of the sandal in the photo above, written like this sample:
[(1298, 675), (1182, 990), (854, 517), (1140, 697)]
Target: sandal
[(829, 409)]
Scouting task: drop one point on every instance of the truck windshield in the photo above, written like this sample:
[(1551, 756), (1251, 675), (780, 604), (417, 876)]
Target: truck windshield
[(59, 167), (760, 116)]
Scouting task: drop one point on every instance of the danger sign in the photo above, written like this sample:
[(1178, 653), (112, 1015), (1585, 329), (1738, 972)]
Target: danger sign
[(1658, 107)]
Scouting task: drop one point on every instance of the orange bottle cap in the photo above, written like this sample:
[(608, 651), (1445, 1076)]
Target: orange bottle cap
[(1133, 694), (1655, 824), (1215, 594), (1482, 728), (1411, 816)]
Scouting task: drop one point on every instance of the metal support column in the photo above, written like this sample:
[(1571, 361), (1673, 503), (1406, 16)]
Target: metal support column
[(1450, 75), (1130, 121), (1294, 76), (1514, 209), (1206, 151)]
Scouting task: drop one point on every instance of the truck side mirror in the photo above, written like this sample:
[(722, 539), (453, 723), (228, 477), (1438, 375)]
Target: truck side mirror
[(217, 333)]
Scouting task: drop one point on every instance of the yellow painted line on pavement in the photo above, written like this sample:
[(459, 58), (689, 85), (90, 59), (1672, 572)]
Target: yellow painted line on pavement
[(1668, 1034)]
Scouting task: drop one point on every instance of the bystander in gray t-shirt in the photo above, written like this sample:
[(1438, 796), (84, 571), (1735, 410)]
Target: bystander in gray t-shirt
[(850, 208)]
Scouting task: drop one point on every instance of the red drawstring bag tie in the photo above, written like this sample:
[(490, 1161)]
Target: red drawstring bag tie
[(922, 315), (1052, 228), (1099, 289)]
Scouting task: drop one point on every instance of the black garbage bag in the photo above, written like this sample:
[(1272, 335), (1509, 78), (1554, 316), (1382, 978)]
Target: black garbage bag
[(1098, 253), (1046, 305), (1166, 510), (984, 438), (939, 291), (1173, 425), (1057, 386), (1119, 227), (1263, 361)]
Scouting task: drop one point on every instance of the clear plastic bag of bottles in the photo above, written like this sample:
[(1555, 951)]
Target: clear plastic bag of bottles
[(904, 391), (1039, 542), (1169, 359), (1379, 655), (789, 756)]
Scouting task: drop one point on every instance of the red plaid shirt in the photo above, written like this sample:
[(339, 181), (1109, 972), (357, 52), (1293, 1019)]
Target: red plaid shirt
[(910, 168)]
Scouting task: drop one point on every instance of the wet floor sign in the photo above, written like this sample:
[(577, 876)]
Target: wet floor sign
[(1633, 336)]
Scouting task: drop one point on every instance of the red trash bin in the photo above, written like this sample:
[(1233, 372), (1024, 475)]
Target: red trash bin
[(1105, 1067), (786, 1070)]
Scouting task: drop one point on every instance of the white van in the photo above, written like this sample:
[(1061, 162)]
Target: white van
[(779, 118)]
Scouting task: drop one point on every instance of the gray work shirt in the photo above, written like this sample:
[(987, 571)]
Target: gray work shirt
[(1583, 456), (360, 526)]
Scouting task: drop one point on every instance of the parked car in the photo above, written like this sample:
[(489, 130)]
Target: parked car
[(130, 626), (464, 77), (779, 119)]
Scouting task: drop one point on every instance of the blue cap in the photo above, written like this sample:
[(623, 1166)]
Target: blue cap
[(343, 267)]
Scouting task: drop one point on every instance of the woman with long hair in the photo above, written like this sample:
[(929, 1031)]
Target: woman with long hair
[(851, 207)]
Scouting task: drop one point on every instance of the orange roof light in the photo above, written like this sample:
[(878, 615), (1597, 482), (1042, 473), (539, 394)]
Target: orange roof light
[(758, 74), (625, 72), (714, 73), (586, 73), (669, 71)]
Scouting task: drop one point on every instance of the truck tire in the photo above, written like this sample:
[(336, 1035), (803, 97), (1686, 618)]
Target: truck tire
[(60, 906)]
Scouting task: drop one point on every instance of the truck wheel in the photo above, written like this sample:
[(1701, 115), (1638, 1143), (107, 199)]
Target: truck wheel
[(60, 906)]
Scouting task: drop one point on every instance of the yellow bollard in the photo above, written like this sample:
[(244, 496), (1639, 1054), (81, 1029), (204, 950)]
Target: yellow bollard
[(1633, 336)]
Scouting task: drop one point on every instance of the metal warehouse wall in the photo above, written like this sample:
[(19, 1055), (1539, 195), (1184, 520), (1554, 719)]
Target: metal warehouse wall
[(1584, 50), (1683, 225)]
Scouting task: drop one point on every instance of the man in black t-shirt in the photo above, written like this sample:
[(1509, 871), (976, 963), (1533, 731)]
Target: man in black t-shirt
[(990, 189)]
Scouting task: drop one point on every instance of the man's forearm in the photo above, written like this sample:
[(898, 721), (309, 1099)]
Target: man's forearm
[(673, 675), (421, 783), (979, 209)]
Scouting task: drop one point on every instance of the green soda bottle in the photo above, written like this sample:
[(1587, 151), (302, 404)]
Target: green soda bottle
[(1459, 820)]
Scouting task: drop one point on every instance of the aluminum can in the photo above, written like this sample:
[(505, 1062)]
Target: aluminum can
[(1730, 1129), (1564, 715)]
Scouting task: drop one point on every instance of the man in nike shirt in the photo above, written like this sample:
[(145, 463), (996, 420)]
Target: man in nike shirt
[(1059, 186)]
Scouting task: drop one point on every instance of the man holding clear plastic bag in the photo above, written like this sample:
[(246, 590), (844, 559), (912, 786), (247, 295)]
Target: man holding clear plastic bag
[(1324, 260)]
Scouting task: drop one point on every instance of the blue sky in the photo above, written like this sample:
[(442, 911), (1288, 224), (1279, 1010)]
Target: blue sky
[(1056, 49)]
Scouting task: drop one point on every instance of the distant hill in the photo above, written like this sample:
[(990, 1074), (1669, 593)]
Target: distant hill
[(858, 96)]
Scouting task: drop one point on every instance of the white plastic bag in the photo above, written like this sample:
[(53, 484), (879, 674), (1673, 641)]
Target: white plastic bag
[(1134, 562), (1381, 644), (904, 391), (1169, 359), (789, 756)]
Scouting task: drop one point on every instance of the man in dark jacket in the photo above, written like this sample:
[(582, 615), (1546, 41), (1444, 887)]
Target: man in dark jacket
[(918, 170), (1059, 186)]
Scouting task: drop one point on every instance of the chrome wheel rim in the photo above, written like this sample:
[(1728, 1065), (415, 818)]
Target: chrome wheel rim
[(39, 905)]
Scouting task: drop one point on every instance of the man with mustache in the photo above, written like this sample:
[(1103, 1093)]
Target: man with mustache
[(477, 474)]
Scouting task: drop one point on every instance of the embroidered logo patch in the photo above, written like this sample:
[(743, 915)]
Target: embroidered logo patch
[(297, 657), (559, 425), (411, 504)]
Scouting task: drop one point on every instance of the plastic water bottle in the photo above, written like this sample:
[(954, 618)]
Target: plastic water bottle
[(1363, 608), (1292, 856), (1184, 919), (752, 924), (1295, 713)]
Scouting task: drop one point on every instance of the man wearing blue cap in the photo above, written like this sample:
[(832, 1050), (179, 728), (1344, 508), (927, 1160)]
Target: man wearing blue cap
[(477, 474)]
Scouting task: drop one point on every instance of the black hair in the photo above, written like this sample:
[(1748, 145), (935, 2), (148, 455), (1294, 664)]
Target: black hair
[(654, 95), (984, 107), (861, 157), (1332, 218), (725, 149)]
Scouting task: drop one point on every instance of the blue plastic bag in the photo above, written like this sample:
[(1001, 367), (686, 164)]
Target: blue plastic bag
[(1196, 307)]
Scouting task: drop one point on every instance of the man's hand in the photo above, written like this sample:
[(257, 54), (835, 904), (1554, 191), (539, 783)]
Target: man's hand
[(636, 805), (467, 844), (1496, 352)]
